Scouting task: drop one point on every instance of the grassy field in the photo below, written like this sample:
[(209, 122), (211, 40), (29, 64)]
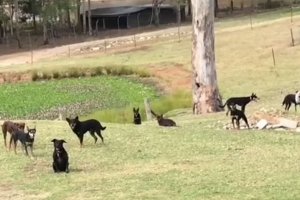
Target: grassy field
[(151, 162), (42, 100), (192, 161)]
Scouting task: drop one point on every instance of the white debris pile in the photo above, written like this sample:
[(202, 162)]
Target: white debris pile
[(269, 119)]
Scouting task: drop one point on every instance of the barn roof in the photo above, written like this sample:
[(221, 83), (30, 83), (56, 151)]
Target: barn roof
[(124, 10)]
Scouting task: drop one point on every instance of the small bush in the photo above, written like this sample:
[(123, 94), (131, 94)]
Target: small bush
[(45, 76), (180, 99), (56, 75), (34, 76)]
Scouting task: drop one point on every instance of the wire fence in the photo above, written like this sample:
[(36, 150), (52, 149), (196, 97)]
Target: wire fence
[(98, 44)]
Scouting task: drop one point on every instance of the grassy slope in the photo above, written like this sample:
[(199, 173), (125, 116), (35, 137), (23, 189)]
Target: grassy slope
[(42, 100), (151, 162)]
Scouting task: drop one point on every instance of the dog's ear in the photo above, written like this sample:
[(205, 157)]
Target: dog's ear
[(27, 128), (137, 110), (76, 118), (133, 109), (63, 141), (54, 140), (67, 119)]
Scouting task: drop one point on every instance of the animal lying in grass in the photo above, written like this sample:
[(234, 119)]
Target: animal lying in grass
[(289, 100), (81, 127), (60, 157), (163, 121), (237, 115), (9, 126), (136, 116), (241, 101), (26, 139)]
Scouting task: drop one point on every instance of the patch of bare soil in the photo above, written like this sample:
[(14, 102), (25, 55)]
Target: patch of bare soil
[(7, 192), (172, 77)]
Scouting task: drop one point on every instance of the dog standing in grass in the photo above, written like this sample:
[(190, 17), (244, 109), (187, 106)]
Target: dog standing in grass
[(81, 127), (236, 115), (26, 139), (241, 101), (9, 126)]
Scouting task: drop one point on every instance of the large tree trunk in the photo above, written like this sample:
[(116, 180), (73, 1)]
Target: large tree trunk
[(16, 3), (90, 18), (83, 17), (204, 81)]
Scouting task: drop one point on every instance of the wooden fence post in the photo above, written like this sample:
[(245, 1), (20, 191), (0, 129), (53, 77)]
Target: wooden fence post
[(62, 115), (148, 109)]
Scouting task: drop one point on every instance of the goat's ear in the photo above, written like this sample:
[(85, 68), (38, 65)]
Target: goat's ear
[(67, 119), (54, 140), (63, 141)]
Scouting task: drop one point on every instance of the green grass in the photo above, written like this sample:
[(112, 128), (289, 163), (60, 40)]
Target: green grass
[(42, 100), (180, 99), (151, 162)]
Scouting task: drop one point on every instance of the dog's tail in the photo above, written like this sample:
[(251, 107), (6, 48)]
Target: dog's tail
[(284, 101), (221, 105), (103, 128)]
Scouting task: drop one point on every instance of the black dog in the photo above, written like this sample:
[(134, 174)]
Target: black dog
[(26, 139), (288, 100), (60, 157), (241, 101), (237, 115), (81, 127), (163, 121), (136, 116)]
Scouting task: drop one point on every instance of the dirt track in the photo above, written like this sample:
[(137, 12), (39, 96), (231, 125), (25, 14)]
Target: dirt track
[(22, 58)]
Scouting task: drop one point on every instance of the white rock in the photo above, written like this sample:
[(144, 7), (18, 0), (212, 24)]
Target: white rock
[(262, 124)]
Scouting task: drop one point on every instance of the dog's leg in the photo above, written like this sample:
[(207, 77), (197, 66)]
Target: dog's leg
[(31, 151), (93, 135), (55, 169), (15, 145), (80, 137), (238, 123), (26, 151), (4, 137), (246, 121), (10, 142), (232, 120), (289, 105), (67, 167), (295, 107), (100, 135)]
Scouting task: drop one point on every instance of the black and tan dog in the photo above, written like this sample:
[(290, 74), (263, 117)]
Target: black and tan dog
[(10, 127), (26, 139), (136, 116), (81, 127), (236, 115), (60, 157), (163, 121), (241, 101)]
